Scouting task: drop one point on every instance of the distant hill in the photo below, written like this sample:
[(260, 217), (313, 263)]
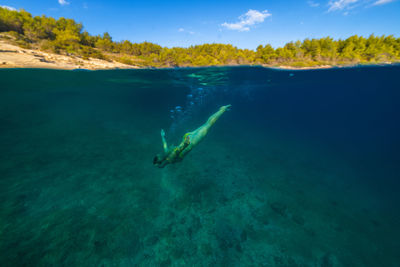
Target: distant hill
[(66, 37)]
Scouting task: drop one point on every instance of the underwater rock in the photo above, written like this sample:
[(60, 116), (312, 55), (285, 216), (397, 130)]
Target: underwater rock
[(279, 208), (261, 215), (243, 236), (253, 234), (183, 220), (189, 232), (298, 219), (166, 263), (223, 199), (227, 237), (151, 241), (375, 223), (285, 261), (177, 252), (238, 248), (206, 249), (311, 232), (338, 229), (225, 241), (329, 260), (334, 203)]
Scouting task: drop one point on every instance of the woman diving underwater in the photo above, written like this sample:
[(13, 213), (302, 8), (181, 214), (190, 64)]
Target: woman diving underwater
[(177, 153)]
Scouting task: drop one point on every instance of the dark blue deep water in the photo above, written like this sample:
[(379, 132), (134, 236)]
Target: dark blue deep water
[(302, 171)]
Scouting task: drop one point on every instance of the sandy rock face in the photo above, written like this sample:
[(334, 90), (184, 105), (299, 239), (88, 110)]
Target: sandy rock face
[(12, 56)]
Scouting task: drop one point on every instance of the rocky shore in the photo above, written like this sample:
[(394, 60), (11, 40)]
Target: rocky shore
[(12, 56)]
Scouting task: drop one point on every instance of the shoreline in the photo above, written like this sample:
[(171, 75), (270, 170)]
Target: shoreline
[(302, 68), (14, 57)]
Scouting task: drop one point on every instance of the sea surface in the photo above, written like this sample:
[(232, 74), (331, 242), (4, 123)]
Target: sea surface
[(304, 170)]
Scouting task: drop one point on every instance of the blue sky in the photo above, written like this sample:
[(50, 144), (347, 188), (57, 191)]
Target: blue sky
[(245, 24)]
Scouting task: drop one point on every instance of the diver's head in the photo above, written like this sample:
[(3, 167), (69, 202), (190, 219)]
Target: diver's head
[(159, 160)]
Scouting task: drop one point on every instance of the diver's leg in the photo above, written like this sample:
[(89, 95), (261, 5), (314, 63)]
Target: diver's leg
[(197, 135), (213, 118)]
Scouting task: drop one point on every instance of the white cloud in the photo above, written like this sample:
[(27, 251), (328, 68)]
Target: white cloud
[(246, 20), (345, 5), (382, 2), (341, 4), (183, 30), (312, 4), (8, 7), (63, 2)]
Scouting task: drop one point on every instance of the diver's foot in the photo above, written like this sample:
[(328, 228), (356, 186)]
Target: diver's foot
[(225, 108)]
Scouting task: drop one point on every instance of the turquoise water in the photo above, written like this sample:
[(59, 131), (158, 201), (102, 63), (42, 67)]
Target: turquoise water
[(302, 171)]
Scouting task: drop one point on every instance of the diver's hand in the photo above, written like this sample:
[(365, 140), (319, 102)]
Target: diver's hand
[(225, 108)]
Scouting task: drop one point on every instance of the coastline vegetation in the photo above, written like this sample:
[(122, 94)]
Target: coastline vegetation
[(65, 36)]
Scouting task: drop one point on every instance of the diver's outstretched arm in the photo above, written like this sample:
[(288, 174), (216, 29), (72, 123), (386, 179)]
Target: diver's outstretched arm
[(165, 146)]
